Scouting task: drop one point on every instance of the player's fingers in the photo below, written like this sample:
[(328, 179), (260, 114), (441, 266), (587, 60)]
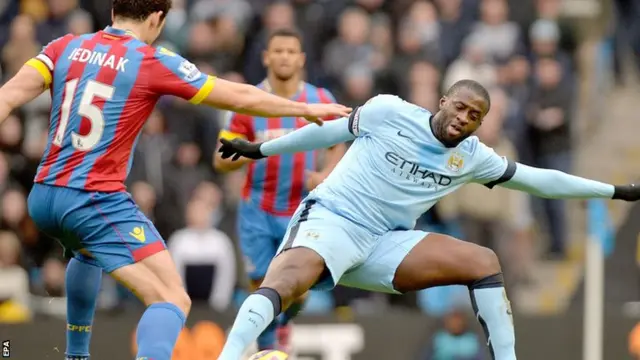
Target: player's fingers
[(344, 111), (236, 157), (224, 149), (315, 120), (338, 111)]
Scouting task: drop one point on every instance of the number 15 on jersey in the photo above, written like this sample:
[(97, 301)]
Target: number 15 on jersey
[(86, 109)]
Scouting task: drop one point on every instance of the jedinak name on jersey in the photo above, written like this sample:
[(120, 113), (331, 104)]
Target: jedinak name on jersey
[(98, 58)]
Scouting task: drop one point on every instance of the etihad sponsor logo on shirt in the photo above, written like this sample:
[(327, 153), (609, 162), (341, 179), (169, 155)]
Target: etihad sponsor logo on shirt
[(414, 172)]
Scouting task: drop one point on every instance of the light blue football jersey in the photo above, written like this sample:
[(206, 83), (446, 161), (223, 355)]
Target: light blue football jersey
[(396, 169)]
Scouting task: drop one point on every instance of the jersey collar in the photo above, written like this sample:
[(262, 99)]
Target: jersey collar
[(119, 32)]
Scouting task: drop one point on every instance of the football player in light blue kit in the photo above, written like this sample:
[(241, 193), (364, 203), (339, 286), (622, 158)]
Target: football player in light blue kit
[(355, 229)]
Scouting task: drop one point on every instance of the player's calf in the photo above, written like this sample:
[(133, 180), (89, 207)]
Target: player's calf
[(156, 282), (290, 275), (267, 339), (82, 285), (277, 333), (442, 260)]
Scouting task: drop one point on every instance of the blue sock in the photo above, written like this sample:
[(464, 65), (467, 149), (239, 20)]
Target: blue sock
[(82, 284), (267, 339), (291, 312), (158, 331), (255, 314), (493, 310)]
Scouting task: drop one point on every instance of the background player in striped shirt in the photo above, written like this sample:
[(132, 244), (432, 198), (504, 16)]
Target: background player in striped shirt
[(275, 187), (104, 86)]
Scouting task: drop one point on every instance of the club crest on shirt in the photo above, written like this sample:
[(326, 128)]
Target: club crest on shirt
[(455, 162), (311, 234)]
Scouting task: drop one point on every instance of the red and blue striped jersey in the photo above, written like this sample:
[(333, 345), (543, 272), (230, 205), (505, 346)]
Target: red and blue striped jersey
[(103, 87), (277, 183)]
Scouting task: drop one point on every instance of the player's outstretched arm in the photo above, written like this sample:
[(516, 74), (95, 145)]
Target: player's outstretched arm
[(250, 100), (25, 86), (559, 185), (305, 139)]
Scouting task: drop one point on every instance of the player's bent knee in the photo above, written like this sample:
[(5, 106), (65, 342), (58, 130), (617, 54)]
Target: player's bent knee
[(179, 298), (285, 285), (486, 262), (150, 289), (173, 295), (293, 272)]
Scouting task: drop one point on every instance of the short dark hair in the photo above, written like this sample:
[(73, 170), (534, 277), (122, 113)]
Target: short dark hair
[(140, 10), (285, 32), (471, 85)]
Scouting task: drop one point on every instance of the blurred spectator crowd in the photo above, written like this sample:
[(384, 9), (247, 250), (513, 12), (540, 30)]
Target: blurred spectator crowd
[(523, 51)]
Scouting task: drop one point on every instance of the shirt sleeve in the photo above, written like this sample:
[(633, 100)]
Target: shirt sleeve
[(310, 137), (238, 126), (554, 184), (171, 74), (370, 117), (492, 169), (46, 60)]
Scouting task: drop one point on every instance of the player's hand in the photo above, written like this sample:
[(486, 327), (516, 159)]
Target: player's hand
[(629, 192), (317, 112), (238, 148)]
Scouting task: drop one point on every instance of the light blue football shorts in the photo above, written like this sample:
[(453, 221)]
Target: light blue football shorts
[(354, 256)]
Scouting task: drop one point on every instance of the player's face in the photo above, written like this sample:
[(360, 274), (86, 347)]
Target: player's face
[(462, 114), (284, 57)]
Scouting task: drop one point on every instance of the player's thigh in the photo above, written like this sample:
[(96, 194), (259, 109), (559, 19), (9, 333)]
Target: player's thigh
[(126, 244), (113, 231), (154, 279), (439, 259), (339, 244), (414, 260), (280, 225), (256, 238)]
